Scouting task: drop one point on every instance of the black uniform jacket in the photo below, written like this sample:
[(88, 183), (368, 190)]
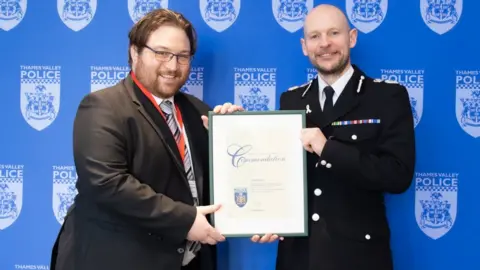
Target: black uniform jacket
[(134, 208), (362, 160)]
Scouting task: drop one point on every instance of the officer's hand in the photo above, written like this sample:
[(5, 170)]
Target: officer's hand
[(267, 238), (313, 140), (222, 109)]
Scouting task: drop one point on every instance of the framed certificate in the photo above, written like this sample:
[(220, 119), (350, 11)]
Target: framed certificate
[(258, 173)]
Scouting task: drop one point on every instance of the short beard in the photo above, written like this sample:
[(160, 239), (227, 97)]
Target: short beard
[(335, 71)]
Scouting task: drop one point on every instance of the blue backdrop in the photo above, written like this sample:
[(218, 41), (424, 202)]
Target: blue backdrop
[(53, 53)]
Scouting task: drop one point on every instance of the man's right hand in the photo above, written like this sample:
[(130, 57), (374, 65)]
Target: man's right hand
[(201, 230)]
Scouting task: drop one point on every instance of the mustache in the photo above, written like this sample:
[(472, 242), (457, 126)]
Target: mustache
[(169, 73)]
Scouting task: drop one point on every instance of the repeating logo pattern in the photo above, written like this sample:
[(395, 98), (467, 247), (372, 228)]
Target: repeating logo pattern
[(290, 14), (11, 194), (366, 15), (12, 13), (436, 202), (139, 8), (219, 14), (441, 15), (467, 101), (255, 88), (40, 95), (76, 14)]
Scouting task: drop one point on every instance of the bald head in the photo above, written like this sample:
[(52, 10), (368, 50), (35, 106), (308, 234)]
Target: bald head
[(326, 16), (328, 39)]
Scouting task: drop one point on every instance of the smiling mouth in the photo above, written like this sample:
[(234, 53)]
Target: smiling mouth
[(326, 55), (167, 76)]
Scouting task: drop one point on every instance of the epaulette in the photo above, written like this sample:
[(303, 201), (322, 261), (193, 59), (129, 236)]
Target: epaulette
[(297, 86), (385, 81)]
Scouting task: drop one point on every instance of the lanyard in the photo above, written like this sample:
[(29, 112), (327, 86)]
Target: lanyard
[(181, 142)]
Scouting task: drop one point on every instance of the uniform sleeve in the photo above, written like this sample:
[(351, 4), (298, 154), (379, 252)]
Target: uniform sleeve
[(100, 156), (390, 167)]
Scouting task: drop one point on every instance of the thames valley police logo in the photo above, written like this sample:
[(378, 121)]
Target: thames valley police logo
[(366, 15), (441, 15), (11, 194), (219, 14), (467, 104), (12, 13), (76, 14), (64, 191), (241, 197), (139, 8), (106, 76), (413, 81), (290, 14), (436, 202), (40, 95), (255, 88)]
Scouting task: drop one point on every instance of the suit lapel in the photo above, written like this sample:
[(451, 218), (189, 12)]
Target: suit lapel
[(311, 103), (156, 121), (197, 136)]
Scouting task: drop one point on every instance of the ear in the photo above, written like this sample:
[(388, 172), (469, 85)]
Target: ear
[(353, 37), (304, 46), (134, 54)]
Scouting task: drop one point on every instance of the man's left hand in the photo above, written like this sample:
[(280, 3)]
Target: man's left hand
[(222, 109), (313, 140)]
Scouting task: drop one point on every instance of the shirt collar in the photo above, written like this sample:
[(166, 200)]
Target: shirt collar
[(339, 84), (160, 100)]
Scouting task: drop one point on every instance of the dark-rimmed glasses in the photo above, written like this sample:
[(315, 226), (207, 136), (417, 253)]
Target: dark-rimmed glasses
[(164, 56)]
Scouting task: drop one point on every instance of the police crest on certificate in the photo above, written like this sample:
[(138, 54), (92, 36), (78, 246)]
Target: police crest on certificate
[(258, 173)]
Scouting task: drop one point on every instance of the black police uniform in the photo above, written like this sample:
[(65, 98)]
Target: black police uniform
[(370, 151)]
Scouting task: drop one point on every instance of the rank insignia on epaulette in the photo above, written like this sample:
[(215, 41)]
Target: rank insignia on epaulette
[(356, 122), (297, 86)]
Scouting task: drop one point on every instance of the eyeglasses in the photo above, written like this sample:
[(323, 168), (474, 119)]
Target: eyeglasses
[(163, 56)]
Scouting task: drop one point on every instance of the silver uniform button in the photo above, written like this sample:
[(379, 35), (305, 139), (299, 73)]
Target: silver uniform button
[(354, 137), (367, 236), (181, 250), (329, 165), (317, 192), (315, 217), (323, 162)]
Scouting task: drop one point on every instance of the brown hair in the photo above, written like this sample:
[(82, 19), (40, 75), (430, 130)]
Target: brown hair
[(141, 31)]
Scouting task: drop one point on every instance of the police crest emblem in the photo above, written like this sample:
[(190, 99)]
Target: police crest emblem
[(467, 107), (241, 197), (435, 207), (139, 8), (11, 198), (76, 14), (290, 14), (64, 193), (219, 14), (366, 15), (441, 15), (12, 13), (40, 102)]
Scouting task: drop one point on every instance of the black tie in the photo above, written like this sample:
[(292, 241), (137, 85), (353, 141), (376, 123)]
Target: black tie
[(328, 105)]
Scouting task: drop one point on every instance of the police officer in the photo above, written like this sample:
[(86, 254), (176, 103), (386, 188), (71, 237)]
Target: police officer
[(360, 143)]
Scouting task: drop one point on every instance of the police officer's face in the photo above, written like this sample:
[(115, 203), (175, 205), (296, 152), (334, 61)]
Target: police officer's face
[(328, 40), (155, 70)]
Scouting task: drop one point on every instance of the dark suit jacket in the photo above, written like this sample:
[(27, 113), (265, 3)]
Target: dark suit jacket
[(134, 207), (346, 184)]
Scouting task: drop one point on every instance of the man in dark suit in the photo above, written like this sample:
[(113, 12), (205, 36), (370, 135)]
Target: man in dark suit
[(360, 142), (141, 154)]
